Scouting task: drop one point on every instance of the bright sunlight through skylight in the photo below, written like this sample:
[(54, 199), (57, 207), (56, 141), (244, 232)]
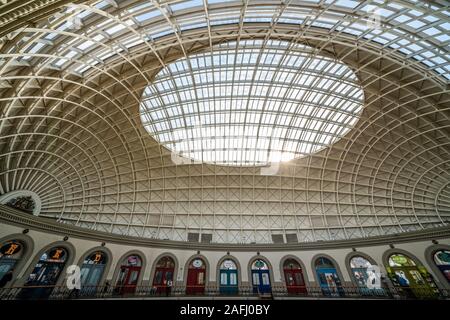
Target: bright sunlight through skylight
[(251, 103)]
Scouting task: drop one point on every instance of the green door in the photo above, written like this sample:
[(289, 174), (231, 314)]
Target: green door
[(228, 282)]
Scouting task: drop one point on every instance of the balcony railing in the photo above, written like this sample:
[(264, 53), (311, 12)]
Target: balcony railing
[(277, 292)]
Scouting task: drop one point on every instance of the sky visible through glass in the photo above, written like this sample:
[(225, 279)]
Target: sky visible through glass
[(251, 103)]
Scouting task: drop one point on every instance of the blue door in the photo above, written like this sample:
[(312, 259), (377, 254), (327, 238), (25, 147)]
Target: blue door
[(261, 281), (228, 282), (329, 282)]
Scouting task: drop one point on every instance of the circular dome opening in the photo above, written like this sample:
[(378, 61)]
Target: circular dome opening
[(251, 103)]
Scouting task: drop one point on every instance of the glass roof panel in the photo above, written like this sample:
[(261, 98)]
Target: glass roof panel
[(411, 21), (242, 103)]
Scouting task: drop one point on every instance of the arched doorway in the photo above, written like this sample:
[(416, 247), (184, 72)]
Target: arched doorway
[(228, 277), (45, 274), (163, 279), (10, 254), (442, 260), (196, 277), (261, 277), (92, 271), (329, 280), (130, 270), (293, 275), (411, 280)]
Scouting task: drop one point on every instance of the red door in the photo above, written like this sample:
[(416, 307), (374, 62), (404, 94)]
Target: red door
[(294, 281), (196, 281), (162, 275), (129, 276)]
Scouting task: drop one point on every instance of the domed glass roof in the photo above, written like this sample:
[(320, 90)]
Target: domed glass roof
[(251, 102)]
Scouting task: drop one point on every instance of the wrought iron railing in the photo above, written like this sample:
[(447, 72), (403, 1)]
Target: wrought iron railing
[(110, 292)]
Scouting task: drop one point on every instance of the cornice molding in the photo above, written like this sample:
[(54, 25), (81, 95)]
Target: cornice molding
[(14, 217)]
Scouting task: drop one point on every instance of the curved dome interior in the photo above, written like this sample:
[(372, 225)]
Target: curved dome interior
[(71, 87)]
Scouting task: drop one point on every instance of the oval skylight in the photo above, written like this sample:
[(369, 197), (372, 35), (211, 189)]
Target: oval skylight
[(251, 103)]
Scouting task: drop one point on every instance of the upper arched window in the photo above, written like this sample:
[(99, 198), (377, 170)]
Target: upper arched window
[(359, 262), (132, 261), (442, 257), (97, 257), (400, 260), (12, 249), (228, 264), (165, 262), (291, 264), (197, 263), (23, 203), (10, 254), (57, 254), (323, 262), (259, 264)]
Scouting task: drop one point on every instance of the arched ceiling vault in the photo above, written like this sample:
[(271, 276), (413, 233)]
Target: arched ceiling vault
[(70, 129)]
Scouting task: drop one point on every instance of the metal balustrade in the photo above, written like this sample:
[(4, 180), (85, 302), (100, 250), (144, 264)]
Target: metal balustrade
[(211, 291)]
